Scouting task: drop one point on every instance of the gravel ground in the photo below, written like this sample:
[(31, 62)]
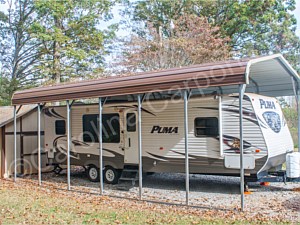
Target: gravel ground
[(206, 192)]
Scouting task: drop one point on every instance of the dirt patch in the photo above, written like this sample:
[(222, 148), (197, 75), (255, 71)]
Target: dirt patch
[(293, 204)]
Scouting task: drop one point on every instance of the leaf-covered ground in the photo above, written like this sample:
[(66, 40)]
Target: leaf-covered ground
[(25, 202)]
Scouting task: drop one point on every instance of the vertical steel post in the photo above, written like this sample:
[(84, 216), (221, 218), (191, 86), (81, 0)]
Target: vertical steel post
[(298, 111), (242, 182), (39, 146), (221, 126), (100, 147), (186, 130), (140, 146), (15, 143), (68, 145), (296, 95)]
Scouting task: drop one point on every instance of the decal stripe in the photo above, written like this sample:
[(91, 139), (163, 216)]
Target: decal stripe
[(134, 107), (52, 113)]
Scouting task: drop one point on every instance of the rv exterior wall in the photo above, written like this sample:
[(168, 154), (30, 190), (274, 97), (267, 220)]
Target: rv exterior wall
[(162, 132), (153, 122), (252, 132), (274, 129), (163, 135)]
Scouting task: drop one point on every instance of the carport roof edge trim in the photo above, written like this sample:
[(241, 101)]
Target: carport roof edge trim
[(264, 58), (234, 72)]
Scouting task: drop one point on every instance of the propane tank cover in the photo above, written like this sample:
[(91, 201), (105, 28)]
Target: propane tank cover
[(293, 165)]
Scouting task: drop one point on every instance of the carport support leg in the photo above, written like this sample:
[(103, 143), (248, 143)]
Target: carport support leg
[(15, 143), (241, 96), (140, 146), (100, 147), (187, 180), (298, 111), (39, 146), (68, 145)]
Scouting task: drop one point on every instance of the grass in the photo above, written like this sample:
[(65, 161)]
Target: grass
[(25, 203), (19, 204)]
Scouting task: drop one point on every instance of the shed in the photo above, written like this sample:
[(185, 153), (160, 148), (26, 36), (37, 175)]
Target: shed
[(26, 140)]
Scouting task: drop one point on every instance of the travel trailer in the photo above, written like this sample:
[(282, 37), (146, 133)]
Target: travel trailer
[(213, 136)]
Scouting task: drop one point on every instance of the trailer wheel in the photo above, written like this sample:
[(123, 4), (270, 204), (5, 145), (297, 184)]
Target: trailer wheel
[(111, 175), (93, 173)]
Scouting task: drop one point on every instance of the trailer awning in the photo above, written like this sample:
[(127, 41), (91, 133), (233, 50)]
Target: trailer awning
[(267, 75)]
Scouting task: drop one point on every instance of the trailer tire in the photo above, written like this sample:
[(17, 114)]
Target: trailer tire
[(111, 175), (93, 173)]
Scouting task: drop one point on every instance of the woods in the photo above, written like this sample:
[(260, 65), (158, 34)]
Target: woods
[(192, 40), (47, 42)]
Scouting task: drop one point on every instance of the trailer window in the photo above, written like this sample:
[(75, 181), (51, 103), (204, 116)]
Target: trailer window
[(206, 127), (110, 128), (131, 122), (60, 127)]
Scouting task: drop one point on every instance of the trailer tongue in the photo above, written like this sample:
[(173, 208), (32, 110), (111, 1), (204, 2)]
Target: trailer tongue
[(291, 174)]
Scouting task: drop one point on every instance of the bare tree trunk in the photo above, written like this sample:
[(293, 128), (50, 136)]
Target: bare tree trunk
[(56, 62), (56, 57)]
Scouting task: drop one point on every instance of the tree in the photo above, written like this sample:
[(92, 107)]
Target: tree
[(192, 40), (289, 109), (18, 49), (254, 27), (42, 41), (7, 87), (73, 45)]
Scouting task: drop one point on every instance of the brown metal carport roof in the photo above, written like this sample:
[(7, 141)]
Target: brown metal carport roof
[(271, 75)]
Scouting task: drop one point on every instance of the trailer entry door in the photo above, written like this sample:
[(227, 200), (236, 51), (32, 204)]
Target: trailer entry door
[(131, 139)]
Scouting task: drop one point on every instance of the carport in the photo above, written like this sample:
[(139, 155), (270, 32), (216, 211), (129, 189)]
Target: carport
[(268, 75)]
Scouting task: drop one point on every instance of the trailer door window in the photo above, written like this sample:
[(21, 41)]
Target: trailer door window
[(110, 128), (131, 122), (60, 127), (206, 127)]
